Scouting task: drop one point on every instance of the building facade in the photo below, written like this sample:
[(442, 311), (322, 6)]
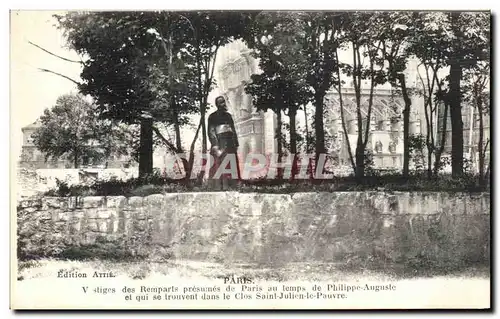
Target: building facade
[(385, 137), (32, 158), (257, 130)]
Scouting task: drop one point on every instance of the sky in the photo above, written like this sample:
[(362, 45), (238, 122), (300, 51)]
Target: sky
[(31, 90)]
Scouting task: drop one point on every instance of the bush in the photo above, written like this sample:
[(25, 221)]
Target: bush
[(377, 180)]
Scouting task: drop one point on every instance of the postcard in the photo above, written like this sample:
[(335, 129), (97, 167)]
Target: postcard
[(250, 160)]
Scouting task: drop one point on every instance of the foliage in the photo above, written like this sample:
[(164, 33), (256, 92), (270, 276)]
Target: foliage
[(369, 164), (281, 84), (416, 144), (160, 65), (375, 180), (73, 129)]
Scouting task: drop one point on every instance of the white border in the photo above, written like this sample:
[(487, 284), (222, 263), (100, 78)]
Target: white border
[(149, 5)]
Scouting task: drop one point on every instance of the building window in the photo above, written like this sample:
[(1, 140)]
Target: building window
[(394, 125), (380, 126)]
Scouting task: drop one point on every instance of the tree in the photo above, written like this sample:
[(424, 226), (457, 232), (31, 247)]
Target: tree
[(429, 44), (477, 95), (395, 37), (321, 41), (365, 41), (456, 41), (127, 55), (208, 32), (73, 129), (116, 47), (471, 45), (277, 42)]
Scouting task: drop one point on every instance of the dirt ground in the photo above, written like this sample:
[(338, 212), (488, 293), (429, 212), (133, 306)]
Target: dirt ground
[(39, 286)]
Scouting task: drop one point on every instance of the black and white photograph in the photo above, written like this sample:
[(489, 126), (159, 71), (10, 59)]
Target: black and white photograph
[(259, 159)]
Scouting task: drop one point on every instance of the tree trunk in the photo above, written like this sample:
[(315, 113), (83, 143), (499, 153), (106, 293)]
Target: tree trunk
[(293, 131), (342, 117), (319, 125), (75, 158), (429, 118), (146, 148), (480, 143), (360, 161), (439, 152), (429, 162), (406, 126), (278, 137), (178, 139), (204, 144), (457, 133), (360, 149), (191, 153), (488, 171), (307, 129), (177, 128), (173, 104), (292, 113), (428, 139)]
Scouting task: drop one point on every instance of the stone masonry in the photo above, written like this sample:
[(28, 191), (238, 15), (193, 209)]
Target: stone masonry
[(269, 229)]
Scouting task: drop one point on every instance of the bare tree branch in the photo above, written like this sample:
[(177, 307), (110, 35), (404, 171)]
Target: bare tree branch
[(61, 75), (167, 142), (60, 57)]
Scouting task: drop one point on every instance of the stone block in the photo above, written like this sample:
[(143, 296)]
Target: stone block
[(140, 225), (92, 225), (91, 213), (78, 214), (64, 216), (429, 203), (74, 227), (93, 202), (154, 200), (30, 203), (115, 201), (135, 202), (139, 215), (74, 202), (105, 213), (43, 215), (60, 227), (113, 226), (89, 238), (30, 210), (54, 202), (102, 225)]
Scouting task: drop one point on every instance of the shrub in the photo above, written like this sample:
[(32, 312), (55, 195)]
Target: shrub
[(377, 180)]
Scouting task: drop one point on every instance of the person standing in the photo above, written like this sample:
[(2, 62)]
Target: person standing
[(224, 141)]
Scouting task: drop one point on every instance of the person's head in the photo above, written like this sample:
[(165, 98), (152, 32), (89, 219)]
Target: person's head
[(220, 102)]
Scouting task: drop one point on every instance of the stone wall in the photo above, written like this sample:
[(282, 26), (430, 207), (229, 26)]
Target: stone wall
[(269, 229)]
